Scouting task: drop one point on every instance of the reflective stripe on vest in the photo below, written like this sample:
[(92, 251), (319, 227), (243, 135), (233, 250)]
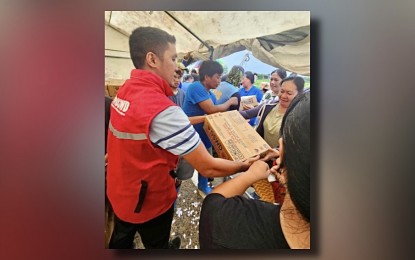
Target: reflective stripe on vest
[(124, 135)]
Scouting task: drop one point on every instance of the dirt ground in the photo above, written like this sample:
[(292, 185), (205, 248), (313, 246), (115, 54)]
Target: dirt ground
[(186, 216)]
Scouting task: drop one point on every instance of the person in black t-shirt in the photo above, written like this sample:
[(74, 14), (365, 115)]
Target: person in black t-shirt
[(228, 220)]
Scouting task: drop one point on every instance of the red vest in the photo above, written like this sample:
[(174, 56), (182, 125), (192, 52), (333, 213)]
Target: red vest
[(139, 185)]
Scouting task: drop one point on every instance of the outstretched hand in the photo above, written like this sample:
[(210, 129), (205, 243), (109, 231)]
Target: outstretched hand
[(248, 162), (272, 154), (276, 168), (234, 101)]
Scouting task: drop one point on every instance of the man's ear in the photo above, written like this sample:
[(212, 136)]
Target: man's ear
[(151, 60)]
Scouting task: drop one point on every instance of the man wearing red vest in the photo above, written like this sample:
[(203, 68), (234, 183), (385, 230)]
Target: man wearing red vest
[(147, 133)]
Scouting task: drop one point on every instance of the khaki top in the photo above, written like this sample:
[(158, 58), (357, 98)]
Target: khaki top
[(272, 125)]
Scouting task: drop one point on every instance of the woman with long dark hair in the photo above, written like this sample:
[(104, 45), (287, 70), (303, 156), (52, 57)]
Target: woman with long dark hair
[(229, 220)]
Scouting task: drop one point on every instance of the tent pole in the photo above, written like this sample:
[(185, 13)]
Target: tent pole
[(211, 49)]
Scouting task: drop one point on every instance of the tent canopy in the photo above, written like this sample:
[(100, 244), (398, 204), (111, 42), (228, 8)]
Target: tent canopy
[(278, 38)]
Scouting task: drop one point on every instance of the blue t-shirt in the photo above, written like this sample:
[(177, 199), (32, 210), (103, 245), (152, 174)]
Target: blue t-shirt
[(195, 94), (225, 91), (254, 91), (185, 85)]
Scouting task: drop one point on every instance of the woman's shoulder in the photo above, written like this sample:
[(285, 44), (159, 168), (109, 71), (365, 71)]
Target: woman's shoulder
[(269, 107), (271, 104), (238, 222), (219, 207)]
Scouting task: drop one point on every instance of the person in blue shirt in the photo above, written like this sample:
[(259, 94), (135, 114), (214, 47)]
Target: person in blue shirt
[(249, 89), (228, 87), (188, 79), (200, 100)]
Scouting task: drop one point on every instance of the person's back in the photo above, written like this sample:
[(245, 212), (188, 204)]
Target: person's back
[(224, 92), (240, 223), (227, 88), (188, 79)]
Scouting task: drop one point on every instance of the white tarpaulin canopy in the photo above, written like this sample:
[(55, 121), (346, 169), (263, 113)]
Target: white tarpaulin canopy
[(278, 38)]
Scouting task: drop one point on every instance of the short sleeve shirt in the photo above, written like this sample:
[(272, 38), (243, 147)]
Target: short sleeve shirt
[(195, 94), (224, 92), (240, 223), (253, 91)]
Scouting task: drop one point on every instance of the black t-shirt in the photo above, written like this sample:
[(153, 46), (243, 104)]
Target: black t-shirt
[(240, 223)]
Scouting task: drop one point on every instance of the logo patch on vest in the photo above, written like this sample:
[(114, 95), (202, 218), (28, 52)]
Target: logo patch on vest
[(120, 105)]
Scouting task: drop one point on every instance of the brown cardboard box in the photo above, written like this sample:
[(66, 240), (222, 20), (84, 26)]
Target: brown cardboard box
[(106, 91), (232, 137), (248, 101), (113, 85)]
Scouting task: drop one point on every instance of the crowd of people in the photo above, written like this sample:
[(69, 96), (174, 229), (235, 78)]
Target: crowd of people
[(155, 140)]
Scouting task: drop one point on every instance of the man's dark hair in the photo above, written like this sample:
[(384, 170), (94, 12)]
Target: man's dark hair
[(187, 77), (148, 39), (295, 133), (195, 77), (179, 72), (224, 77), (209, 68), (298, 82)]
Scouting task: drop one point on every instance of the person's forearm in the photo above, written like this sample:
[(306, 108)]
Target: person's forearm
[(251, 113), (209, 108), (196, 119), (222, 107), (216, 108), (208, 166), (237, 185), (220, 168)]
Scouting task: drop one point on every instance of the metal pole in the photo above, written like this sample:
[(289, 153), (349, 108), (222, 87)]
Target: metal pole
[(210, 48)]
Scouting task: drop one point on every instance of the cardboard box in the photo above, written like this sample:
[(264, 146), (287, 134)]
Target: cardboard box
[(106, 91), (248, 101), (232, 137), (113, 85)]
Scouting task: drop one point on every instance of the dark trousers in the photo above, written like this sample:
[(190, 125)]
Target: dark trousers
[(154, 233)]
